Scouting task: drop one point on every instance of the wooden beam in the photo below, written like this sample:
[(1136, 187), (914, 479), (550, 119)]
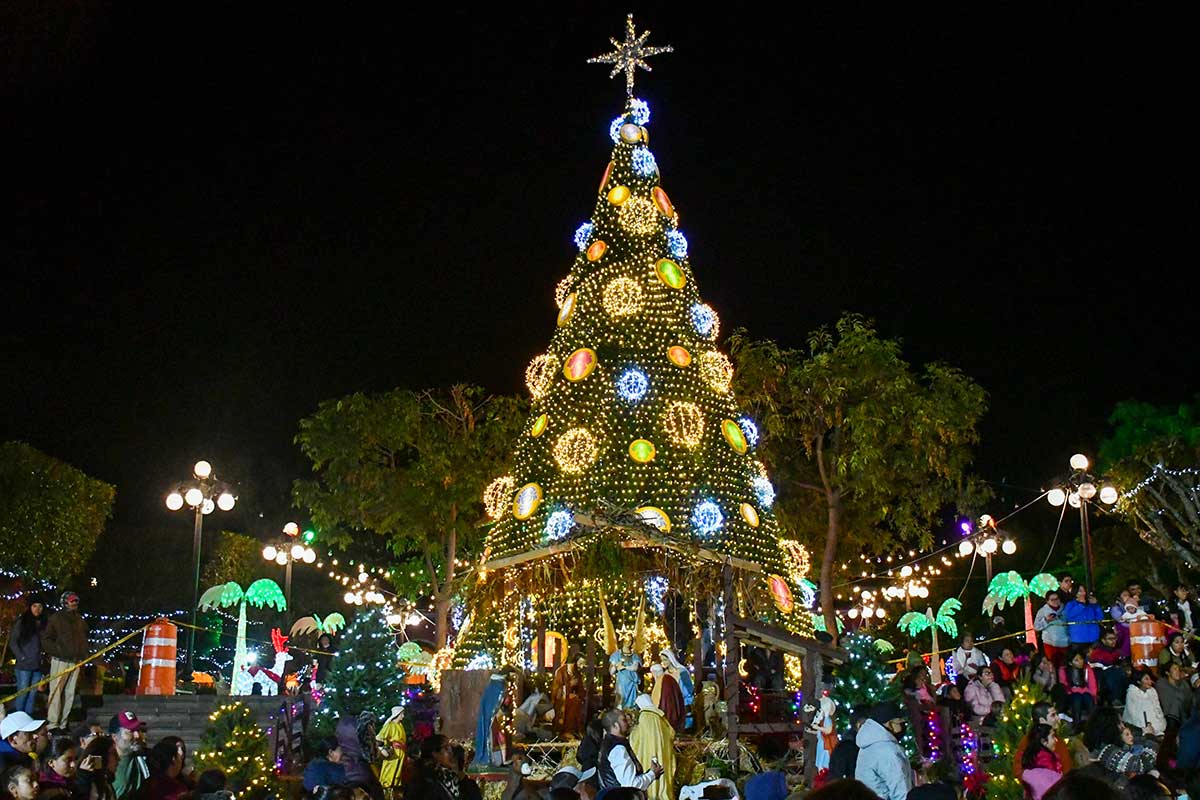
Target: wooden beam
[(733, 649), (774, 638)]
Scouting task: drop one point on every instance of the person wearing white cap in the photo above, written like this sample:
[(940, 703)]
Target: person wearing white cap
[(17, 740)]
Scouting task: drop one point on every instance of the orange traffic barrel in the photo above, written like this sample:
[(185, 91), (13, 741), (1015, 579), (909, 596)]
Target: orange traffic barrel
[(1146, 641), (157, 675)]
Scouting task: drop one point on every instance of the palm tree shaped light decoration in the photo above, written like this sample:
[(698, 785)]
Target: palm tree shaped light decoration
[(914, 623), (262, 593)]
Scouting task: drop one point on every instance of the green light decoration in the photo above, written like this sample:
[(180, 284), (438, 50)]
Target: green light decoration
[(914, 623), (818, 621), (408, 651), (1009, 587), (315, 624), (884, 646), (262, 593)]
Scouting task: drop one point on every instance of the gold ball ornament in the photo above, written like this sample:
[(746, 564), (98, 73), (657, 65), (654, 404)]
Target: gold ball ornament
[(750, 514), (539, 426), (596, 251), (734, 436), (684, 423), (579, 365), (716, 370), (497, 497), (637, 216), (622, 297), (566, 309), (539, 375), (576, 450), (652, 515), (670, 273), (631, 133), (618, 195), (679, 356), (642, 451)]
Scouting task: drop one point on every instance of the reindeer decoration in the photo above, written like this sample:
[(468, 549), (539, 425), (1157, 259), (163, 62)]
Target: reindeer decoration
[(267, 679)]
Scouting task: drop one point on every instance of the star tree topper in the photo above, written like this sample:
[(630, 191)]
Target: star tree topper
[(630, 54)]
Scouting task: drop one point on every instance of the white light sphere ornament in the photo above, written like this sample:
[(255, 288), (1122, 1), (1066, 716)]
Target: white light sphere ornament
[(1079, 461), (1056, 497), (1087, 490), (269, 552), (202, 470), (905, 571), (965, 547), (1108, 495), (1073, 499), (1009, 547), (310, 555), (194, 497), (987, 547), (226, 501), (880, 612), (362, 577), (291, 529), (208, 507), (297, 552), (852, 613), (174, 501), (281, 558), (348, 597)]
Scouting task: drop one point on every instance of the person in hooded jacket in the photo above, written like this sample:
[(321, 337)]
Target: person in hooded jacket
[(355, 759), (882, 765)]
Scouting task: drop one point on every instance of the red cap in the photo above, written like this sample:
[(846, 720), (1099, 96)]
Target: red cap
[(129, 721)]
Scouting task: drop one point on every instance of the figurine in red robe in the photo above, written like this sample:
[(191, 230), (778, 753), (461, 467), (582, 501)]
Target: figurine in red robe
[(668, 697)]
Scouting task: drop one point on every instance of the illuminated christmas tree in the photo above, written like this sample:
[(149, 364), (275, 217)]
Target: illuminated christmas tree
[(235, 744), (636, 472), (365, 674)]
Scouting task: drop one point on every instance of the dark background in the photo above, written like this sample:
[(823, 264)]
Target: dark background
[(216, 221)]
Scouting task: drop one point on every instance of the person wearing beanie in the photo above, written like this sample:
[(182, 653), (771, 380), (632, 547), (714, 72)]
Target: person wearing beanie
[(65, 641), (844, 759), (25, 642), (882, 765)]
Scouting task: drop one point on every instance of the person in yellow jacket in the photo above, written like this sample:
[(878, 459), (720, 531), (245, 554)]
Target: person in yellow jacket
[(653, 740), (392, 740)]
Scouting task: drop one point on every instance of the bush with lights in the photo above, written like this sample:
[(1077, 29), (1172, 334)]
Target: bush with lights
[(1010, 728), (365, 674), (634, 436), (235, 744)]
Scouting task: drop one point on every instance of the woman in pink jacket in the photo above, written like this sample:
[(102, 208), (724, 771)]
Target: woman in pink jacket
[(1079, 679), (982, 692)]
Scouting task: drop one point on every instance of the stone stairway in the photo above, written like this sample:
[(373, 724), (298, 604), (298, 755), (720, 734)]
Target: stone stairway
[(185, 716)]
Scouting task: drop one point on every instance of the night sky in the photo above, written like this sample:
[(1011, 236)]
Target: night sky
[(218, 222)]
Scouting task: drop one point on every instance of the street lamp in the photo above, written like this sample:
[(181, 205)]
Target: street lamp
[(285, 554), (1078, 489), (986, 540), (203, 493)]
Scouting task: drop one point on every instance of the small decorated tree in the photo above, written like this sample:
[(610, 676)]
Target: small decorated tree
[(235, 744), (1011, 726), (865, 680), (365, 674)]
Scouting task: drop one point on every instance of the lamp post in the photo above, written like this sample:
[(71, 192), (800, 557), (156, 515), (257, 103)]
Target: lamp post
[(1078, 488), (986, 540), (203, 494), (285, 554), (913, 588)]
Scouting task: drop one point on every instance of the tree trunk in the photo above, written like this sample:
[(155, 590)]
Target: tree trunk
[(444, 592), (833, 502)]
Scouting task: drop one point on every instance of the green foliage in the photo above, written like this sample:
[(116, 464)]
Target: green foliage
[(599, 558), (1152, 456), (365, 674), (235, 559), (52, 513), (264, 593), (235, 744), (1008, 588), (410, 467), (865, 679), (866, 452)]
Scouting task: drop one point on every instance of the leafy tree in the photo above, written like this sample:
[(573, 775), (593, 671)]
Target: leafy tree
[(866, 452), (410, 466), (1152, 454), (235, 558), (52, 513)]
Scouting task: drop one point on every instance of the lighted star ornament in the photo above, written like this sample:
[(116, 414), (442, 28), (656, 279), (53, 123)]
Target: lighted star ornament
[(629, 54)]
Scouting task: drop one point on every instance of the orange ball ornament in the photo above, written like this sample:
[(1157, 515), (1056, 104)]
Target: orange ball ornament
[(580, 364), (596, 251), (679, 356), (662, 201)]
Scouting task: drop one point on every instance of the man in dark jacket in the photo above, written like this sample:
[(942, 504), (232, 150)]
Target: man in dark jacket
[(351, 733), (65, 641), (617, 765), (17, 740), (844, 757)]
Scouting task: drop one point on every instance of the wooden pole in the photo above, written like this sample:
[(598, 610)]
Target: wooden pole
[(541, 646), (812, 667), (698, 677), (591, 682), (732, 657)]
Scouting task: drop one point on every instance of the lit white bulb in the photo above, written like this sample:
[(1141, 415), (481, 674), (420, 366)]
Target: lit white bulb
[(226, 501), (174, 501), (1009, 547), (1073, 499), (1079, 461), (362, 577), (291, 529), (1056, 497), (208, 507), (348, 597), (905, 571), (281, 558), (309, 555), (1108, 495), (965, 547), (879, 612), (194, 497), (269, 552), (297, 552), (987, 547), (852, 613), (1087, 490), (202, 469)]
